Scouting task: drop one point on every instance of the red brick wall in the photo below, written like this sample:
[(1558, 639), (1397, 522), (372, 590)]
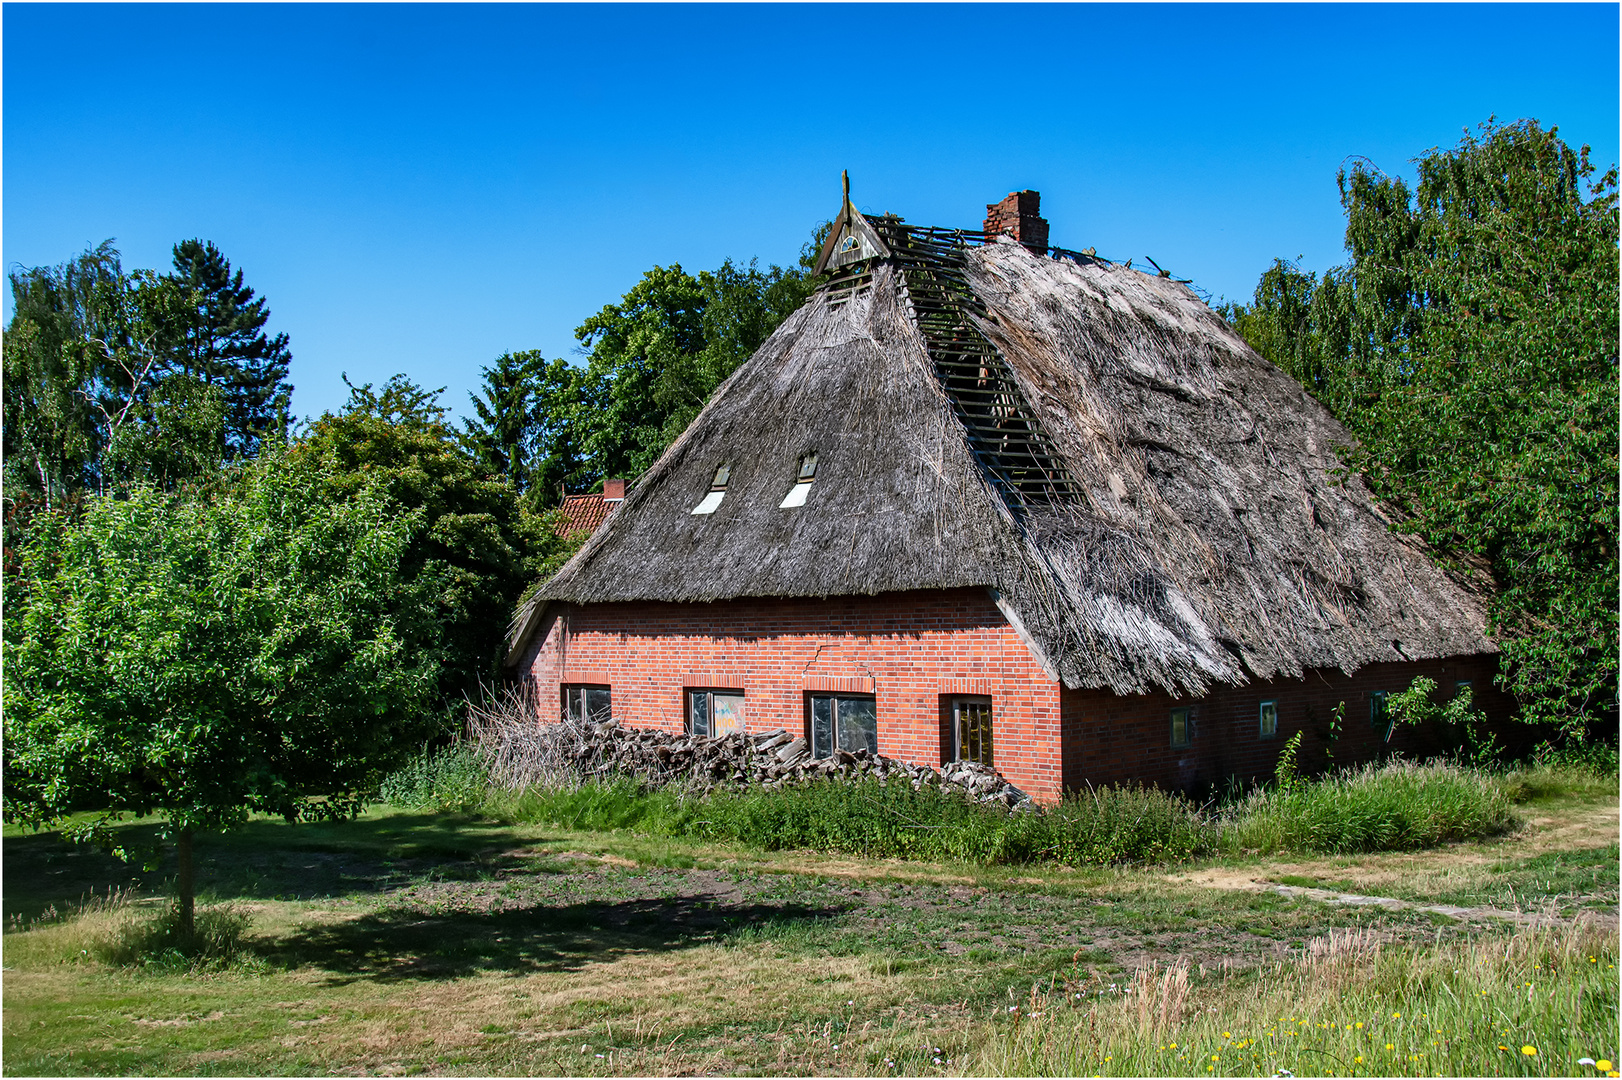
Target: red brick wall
[(910, 650), (907, 649), (1110, 739)]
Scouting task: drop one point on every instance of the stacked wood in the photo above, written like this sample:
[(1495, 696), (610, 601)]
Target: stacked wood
[(770, 760)]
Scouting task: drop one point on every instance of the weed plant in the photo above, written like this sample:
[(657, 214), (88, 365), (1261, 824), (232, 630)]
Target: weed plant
[(1540, 1003), (1396, 806), (448, 778)]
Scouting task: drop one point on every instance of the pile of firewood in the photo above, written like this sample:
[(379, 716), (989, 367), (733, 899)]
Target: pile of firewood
[(771, 760)]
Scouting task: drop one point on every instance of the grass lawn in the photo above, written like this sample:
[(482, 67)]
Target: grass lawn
[(441, 944)]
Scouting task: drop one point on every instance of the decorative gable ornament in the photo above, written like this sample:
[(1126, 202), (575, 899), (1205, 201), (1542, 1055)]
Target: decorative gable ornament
[(852, 239)]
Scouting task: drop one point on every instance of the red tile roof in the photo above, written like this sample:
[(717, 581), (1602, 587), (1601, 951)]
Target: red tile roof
[(583, 512)]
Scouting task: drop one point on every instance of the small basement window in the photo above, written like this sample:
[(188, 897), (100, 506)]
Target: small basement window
[(718, 491), (586, 704), (802, 484), (1268, 726), (1182, 731), (849, 722), (714, 713), (971, 729)]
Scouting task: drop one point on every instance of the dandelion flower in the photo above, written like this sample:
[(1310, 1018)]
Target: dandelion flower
[(1392, 1046), (1530, 1051), (1358, 1059), (1602, 1065), (1360, 1025), (1396, 1016), (1227, 1034)]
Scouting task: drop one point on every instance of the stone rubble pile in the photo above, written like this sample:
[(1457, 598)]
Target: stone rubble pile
[(772, 760)]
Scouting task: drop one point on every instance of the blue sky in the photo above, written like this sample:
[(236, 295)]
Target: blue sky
[(419, 188)]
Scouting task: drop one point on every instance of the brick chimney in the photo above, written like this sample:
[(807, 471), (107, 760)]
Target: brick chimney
[(613, 491), (1017, 216)]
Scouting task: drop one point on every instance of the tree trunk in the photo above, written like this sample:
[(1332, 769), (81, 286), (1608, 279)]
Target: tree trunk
[(185, 885)]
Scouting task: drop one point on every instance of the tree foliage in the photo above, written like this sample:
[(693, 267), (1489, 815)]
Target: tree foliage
[(115, 377), (261, 649), (470, 553), (216, 337), (1470, 342)]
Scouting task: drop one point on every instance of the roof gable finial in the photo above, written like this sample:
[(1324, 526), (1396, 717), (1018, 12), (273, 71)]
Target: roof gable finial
[(851, 239)]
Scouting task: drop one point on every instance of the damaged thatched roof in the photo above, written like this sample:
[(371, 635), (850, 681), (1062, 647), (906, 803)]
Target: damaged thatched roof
[(1151, 503)]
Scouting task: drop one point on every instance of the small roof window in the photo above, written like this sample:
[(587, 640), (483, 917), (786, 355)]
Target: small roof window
[(718, 490), (802, 484)]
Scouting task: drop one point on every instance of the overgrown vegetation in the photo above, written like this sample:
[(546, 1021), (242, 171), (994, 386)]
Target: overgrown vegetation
[(1394, 806)]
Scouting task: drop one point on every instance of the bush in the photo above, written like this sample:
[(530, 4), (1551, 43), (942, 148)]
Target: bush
[(1397, 806), (451, 778)]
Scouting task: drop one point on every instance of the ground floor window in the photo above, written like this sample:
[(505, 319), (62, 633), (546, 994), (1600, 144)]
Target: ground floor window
[(583, 703), (1269, 719), (1379, 713), (971, 729), (714, 713), (846, 721), (1182, 732)]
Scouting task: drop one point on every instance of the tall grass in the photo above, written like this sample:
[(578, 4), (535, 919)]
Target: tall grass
[(1533, 1004), (121, 930), (1396, 806), (1391, 807), (1111, 825)]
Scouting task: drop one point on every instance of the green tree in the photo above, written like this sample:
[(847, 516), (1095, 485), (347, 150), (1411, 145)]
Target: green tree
[(658, 355), (505, 427), (1471, 344), (470, 551), (257, 650), (218, 339)]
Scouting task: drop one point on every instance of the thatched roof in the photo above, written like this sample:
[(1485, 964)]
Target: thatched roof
[(1188, 524)]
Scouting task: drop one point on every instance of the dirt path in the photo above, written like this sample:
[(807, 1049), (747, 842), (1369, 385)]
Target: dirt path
[(1542, 835)]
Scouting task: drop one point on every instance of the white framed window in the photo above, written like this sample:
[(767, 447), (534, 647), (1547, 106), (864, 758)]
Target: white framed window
[(583, 703), (1267, 726), (971, 729), (714, 713), (1182, 726), (847, 721)]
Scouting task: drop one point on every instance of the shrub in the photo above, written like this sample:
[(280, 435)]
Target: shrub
[(453, 778), (1392, 807)]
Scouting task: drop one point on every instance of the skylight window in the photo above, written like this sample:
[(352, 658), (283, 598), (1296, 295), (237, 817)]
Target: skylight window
[(718, 491), (802, 485)]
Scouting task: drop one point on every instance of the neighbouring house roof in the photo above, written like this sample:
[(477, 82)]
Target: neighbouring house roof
[(582, 513), (1150, 503)]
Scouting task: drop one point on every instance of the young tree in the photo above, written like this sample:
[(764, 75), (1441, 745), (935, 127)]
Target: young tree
[(260, 650), (1471, 344), (218, 339)]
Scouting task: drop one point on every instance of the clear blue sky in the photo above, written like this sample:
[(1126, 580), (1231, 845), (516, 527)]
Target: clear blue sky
[(418, 188)]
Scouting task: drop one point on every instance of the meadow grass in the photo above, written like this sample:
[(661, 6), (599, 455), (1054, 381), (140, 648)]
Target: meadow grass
[(447, 943), (1531, 1004)]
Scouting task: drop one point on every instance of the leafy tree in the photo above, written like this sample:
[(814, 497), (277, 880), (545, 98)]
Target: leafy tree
[(657, 356), (470, 550), (80, 353), (1471, 344), (259, 650), (218, 338)]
